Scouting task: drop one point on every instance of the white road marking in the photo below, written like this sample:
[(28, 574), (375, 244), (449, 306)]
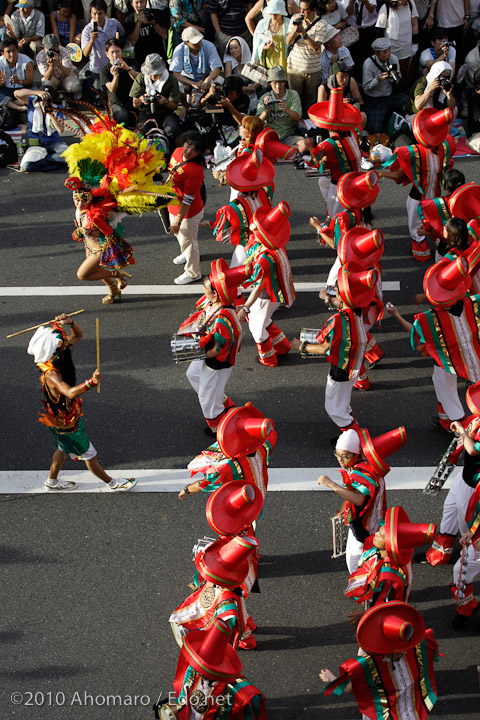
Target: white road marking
[(280, 479), (192, 289)]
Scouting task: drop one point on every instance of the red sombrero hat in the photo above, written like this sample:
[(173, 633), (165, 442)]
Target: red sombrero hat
[(357, 190), (272, 227), (225, 562), (243, 430), (210, 654), (473, 398), (378, 448), (360, 248), (464, 203), (233, 507), (390, 628), (250, 171), (357, 289), (334, 114), (226, 280), (402, 536), (446, 282), (431, 126), (269, 143)]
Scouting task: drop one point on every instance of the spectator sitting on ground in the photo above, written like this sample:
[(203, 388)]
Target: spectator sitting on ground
[(440, 51), (195, 62), (341, 77), (56, 68), (45, 124), (381, 90), (154, 80), (304, 64), (432, 91), (333, 51), (64, 22), (93, 41), (146, 30), (29, 24), (269, 40), (16, 71), (117, 77), (280, 108)]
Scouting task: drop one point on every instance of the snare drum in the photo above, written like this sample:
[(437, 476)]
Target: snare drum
[(309, 335), (201, 545), (179, 633), (186, 348), (166, 713)]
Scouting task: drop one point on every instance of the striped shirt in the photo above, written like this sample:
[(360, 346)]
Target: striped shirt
[(302, 58)]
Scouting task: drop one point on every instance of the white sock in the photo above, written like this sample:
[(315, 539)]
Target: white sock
[(51, 481)]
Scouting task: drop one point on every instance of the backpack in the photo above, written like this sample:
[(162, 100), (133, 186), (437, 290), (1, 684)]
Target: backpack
[(8, 150)]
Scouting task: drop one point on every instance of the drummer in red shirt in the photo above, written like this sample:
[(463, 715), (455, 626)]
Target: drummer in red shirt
[(186, 171)]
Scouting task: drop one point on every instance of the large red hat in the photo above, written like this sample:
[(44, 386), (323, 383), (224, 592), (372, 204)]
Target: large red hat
[(226, 280), (243, 430), (233, 507), (390, 628), (334, 114), (360, 248), (402, 536), (357, 289), (378, 448), (464, 202), (431, 126), (250, 171), (210, 654), (473, 398), (270, 145), (447, 281), (225, 562), (357, 190), (272, 227)]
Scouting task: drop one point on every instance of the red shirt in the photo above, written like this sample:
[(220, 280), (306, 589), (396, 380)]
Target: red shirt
[(187, 180)]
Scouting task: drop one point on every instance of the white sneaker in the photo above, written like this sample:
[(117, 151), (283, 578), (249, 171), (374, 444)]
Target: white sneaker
[(122, 484), (184, 279), (180, 260), (60, 484)]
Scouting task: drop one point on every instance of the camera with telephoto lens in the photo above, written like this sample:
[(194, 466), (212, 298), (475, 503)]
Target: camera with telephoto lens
[(445, 84), (217, 95), (393, 76), (51, 54), (148, 15)]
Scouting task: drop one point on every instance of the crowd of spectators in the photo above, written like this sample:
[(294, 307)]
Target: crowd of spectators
[(170, 62)]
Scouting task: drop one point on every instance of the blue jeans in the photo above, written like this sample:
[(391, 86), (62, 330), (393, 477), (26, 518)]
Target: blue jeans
[(51, 162)]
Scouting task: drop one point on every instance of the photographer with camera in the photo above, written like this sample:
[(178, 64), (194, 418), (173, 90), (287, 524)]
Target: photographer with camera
[(304, 65), (440, 51), (230, 97), (45, 125), (56, 68), (94, 36), (381, 86), (433, 91), (147, 31), (156, 95), (117, 78), (280, 108)]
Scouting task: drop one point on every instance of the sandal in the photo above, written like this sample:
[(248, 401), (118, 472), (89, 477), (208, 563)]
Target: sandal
[(115, 295), (120, 280)]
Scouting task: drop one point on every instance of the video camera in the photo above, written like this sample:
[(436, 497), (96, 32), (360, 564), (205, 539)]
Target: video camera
[(217, 95)]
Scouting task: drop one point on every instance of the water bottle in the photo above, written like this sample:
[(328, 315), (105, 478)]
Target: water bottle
[(218, 152), (22, 149)]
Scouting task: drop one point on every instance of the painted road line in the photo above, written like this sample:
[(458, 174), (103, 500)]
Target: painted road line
[(158, 480), (192, 289)]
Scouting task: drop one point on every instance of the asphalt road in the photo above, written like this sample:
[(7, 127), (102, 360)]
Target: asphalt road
[(89, 581)]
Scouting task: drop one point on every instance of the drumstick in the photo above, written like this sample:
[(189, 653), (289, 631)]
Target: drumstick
[(97, 323), (35, 327)]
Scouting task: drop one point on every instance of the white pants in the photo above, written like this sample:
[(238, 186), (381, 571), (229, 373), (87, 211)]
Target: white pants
[(188, 240), (260, 315), (333, 274), (414, 221), (445, 385), (337, 401), (324, 184), (210, 387), (239, 257), (455, 506), (334, 205), (354, 551)]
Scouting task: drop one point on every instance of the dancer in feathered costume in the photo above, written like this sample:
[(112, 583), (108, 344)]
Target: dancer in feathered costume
[(112, 171)]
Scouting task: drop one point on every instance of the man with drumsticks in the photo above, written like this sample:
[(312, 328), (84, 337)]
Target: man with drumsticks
[(51, 348)]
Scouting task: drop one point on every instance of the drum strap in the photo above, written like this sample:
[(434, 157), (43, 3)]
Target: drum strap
[(210, 318)]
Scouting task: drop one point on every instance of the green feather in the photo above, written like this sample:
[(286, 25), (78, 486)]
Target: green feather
[(91, 171)]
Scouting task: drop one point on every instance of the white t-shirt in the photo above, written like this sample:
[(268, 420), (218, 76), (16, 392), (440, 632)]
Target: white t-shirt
[(450, 13), (429, 54), (398, 28), (18, 70)]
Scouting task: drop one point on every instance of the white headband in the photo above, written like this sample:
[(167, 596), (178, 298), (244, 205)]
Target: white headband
[(44, 344)]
